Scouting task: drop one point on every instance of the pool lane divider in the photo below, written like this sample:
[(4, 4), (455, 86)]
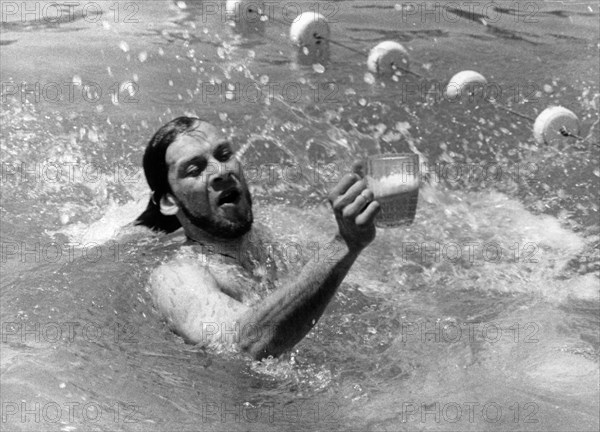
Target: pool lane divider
[(311, 36), (550, 127)]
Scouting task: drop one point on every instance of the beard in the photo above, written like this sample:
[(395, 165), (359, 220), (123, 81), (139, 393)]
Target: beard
[(221, 227)]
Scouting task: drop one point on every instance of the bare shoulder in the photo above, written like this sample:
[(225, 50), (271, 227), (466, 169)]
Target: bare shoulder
[(188, 296), (182, 270)]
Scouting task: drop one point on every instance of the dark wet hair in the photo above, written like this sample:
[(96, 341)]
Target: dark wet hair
[(156, 171)]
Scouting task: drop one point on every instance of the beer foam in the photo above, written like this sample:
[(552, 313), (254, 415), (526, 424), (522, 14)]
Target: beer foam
[(393, 184)]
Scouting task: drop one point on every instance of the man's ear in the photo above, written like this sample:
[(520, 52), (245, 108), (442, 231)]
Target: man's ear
[(168, 206)]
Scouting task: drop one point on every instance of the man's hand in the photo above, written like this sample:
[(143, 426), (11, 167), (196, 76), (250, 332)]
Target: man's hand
[(355, 210)]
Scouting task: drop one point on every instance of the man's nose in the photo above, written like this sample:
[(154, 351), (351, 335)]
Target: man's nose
[(222, 181), (225, 177)]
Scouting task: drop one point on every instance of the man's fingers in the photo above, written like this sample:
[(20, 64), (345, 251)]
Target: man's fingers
[(359, 203), (344, 184), (348, 198), (368, 215)]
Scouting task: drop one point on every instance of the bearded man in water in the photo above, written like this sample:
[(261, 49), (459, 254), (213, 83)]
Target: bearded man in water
[(205, 301)]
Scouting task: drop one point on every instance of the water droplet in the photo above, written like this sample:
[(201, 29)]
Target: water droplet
[(181, 5), (362, 102), (161, 51), (548, 88), (221, 52), (264, 79), (223, 116), (124, 46), (597, 172), (62, 385), (318, 68), (129, 87), (369, 78), (76, 80), (143, 56), (93, 136), (171, 83), (402, 127)]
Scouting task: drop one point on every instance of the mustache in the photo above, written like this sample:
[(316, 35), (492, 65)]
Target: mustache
[(224, 229)]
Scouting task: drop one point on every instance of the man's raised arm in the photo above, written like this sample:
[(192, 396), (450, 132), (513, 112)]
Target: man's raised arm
[(282, 319), (192, 301)]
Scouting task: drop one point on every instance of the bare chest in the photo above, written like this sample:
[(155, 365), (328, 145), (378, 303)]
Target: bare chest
[(246, 285)]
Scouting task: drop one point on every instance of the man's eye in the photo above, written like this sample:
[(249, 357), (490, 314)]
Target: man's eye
[(192, 171), (224, 154)]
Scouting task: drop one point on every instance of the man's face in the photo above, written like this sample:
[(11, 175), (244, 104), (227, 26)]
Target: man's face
[(208, 184)]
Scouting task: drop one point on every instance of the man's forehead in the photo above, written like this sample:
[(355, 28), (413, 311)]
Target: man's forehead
[(198, 141)]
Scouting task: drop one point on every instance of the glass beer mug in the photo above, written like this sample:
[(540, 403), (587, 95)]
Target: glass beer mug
[(394, 180)]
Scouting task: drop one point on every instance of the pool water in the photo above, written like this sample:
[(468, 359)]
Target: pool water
[(482, 315)]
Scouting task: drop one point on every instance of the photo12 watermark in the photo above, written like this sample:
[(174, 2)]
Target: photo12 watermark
[(485, 13), (73, 413), (69, 172), (51, 12), (269, 412), (471, 252), (434, 91), (454, 332), (68, 332), (54, 252), (469, 412), (76, 91)]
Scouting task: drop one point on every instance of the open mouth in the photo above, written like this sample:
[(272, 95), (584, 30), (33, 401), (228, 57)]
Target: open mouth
[(230, 196)]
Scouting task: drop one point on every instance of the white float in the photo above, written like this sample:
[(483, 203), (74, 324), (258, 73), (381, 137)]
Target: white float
[(310, 34), (387, 57), (551, 122), (471, 81), (245, 15)]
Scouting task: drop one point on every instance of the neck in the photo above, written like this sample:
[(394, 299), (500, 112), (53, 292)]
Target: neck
[(235, 248)]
